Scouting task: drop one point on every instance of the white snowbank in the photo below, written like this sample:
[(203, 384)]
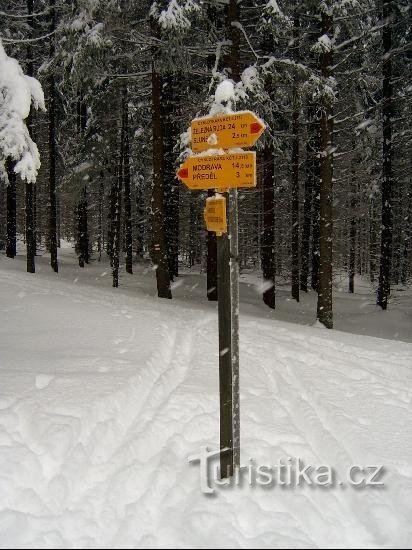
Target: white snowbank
[(104, 395)]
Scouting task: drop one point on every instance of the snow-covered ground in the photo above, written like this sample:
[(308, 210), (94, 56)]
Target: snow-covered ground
[(105, 394)]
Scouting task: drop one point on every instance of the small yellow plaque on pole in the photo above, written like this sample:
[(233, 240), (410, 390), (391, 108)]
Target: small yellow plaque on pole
[(215, 214)]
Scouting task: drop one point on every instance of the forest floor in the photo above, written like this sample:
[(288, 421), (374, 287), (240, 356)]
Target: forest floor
[(105, 394)]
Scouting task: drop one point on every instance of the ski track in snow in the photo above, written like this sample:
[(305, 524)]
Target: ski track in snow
[(103, 398)]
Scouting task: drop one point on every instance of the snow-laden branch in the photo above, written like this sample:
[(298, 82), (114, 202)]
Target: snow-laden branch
[(176, 15), (26, 40), (24, 16), (17, 93), (238, 25)]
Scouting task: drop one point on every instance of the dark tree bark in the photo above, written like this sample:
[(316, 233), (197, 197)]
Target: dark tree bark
[(112, 212), (158, 247), (140, 223), (295, 206), (127, 185), (407, 240), (100, 244), (117, 211), (316, 210), (353, 226), (352, 243), (295, 173), (11, 237), (387, 154), (311, 161), (193, 230), (83, 234), (170, 108), (268, 237), (52, 240), (81, 109), (30, 234), (325, 294), (212, 292), (30, 230)]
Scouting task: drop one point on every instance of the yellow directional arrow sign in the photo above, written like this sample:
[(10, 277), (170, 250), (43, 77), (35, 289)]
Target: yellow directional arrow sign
[(215, 214), (241, 129), (219, 172)]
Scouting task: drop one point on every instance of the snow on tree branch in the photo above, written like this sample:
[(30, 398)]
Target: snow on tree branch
[(17, 93), (176, 14), (273, 14), (323, 45)]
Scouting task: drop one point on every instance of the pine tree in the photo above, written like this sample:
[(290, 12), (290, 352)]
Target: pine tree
[(159, 250), (387, 155), (52, 240), (325, 299), (11, 240), (30, 228)]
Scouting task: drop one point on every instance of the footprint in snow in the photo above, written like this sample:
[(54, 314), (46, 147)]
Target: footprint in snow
[(103, 369), (6, 402), (43, 380)]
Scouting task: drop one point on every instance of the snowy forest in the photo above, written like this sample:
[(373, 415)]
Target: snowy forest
[(122, 81), (148, 362)]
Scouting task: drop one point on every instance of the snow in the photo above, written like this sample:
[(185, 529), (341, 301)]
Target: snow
[(250, 77), (225, 92), (174, 17), (363, 125), (274, 14), (273, 8), (17, 93), (323, 44), (106, 393), (228, 93)]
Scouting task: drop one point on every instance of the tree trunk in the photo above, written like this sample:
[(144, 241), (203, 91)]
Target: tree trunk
[(353, 227), (170, 110), (387, 172), (117, 210), (83, 234), (30, 232), (352, 243), (268, 238), (11, 238), (193, 229), (212, 288), (295, 203), (407, 240), (127, 185), (159, 249), (112, 212), (316, 210), (307, 205), (52, 241), (100, 244), (295, 169), (140, 223), (325, 295)]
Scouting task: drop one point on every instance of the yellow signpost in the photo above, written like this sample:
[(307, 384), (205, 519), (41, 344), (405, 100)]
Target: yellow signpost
[(219, 172), (215, 214), (241, 129), (225, 174)]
